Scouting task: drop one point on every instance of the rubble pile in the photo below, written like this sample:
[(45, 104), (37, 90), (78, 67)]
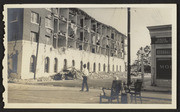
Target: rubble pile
[(104, 75)]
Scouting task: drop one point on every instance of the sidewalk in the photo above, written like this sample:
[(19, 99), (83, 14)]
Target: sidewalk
[(150, 88)]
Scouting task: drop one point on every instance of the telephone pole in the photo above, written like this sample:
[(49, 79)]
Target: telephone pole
[(37, 50), (128, 50)]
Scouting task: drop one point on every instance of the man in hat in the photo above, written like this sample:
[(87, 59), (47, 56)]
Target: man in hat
[(85, 74)]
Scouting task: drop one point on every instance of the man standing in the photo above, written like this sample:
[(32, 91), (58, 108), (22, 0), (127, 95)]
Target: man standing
[(85, 74)]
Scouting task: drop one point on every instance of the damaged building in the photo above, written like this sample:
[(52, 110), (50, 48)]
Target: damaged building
[(45, 41)]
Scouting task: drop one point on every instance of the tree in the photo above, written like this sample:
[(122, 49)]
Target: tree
[(146, 54)]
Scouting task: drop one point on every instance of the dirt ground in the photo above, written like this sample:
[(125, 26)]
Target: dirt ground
[(23, 93)]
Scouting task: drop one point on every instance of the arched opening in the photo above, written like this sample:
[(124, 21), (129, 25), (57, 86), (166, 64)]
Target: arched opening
[(116, 68), (55, 64), (88, 66), (73, 63), (32, 64), (47, 64), (94, 67), (113, 68), (65, 64), (104, 68), (81, 66)]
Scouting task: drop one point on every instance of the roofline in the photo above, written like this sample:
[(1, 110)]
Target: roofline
[(159, 26), (101, 22)]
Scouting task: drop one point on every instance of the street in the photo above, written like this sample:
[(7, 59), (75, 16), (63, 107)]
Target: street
[(22, 93)]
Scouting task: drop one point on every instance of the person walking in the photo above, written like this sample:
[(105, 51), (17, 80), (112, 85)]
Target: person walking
[(85, 75)]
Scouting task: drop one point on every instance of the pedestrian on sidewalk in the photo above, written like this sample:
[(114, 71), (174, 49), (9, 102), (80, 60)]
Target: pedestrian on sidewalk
[(85, 78)]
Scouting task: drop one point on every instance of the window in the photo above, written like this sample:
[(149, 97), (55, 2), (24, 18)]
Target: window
[(48, 23), (116, 68), (55, 25), (112, 35), (55, 64), (99, 67), (32, 64), (94, 68), (81, 36), (54, 42), (73, 63), (120, 68), (34, 17), (104, 68), (81, 22), (65, 64), (47, 65), (81, 66), (34, 37)]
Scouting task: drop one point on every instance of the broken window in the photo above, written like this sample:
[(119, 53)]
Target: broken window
[(55, 64), (34, 17), (47, 64), (32, 64), (33, 36)]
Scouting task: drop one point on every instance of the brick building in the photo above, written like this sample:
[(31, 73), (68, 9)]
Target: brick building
[(48, 40)]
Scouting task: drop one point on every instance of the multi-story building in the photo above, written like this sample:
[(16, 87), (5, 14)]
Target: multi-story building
[(42, 42)]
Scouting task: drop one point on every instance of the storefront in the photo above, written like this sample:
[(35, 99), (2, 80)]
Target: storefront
[(161, 55)]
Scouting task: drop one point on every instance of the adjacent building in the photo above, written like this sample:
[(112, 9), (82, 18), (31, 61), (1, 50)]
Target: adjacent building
[(161, 55), (45, 41)]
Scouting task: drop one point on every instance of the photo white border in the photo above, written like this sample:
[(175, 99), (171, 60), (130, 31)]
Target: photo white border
[(95, 106)]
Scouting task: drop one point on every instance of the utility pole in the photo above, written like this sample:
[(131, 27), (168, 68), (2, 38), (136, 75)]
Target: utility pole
[(142, 66), (128, 50), (108, 56), (37, 50)]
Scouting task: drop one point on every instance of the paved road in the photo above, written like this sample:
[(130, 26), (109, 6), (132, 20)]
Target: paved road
[(21, 93)]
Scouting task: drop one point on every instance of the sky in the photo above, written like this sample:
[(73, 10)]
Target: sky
[(140, 19)]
